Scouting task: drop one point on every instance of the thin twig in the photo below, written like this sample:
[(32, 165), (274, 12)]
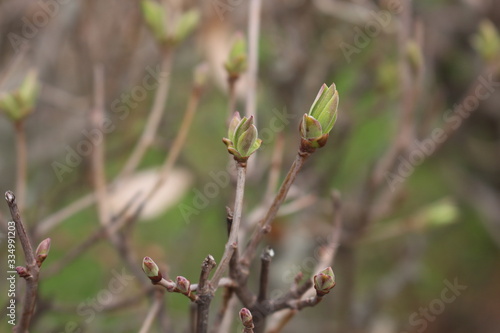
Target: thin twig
[(327, 258), (154, 118), (231, 105), (180, 139), (265, 259), (21, 164), (283, 322), (119, 241), (232, 242), (52, 221), (205, 295), (153, 311), (274, 172), (264, 224), (32, 268), (146, 139), (409, 94), (227, 320), (253, 57), (97, 157), (55, 219)]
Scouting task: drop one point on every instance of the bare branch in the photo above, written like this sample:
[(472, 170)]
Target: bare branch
[(32, 269)]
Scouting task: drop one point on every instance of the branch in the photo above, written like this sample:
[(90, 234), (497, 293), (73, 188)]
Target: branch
[(154, 118), (253, 56), (327, 258), (265, 223), (205, 295), (31, 272), (265, 258), (232, 242), (153, 312), (21, 168)]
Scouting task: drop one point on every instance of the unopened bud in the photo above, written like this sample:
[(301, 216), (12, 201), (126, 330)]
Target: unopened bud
[(242, 140), (42, 251), (154, 15), (22, 271), (183, 285), (236, 63), (246, 318), (324, 281), (316, 125), (187, 23), (18, 104), (151, 269), (487, 41)]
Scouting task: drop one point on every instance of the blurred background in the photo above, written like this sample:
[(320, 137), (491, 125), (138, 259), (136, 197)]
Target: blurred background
[(415, 155)]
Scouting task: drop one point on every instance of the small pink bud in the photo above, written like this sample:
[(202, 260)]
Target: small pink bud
[(246, 318), (42, 251), (22, 272), (324, 281), (183, 285), (151, 269)]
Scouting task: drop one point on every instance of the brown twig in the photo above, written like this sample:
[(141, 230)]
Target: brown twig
[(283, 321), (264, 224), (232, 242), (231, 104), (265, 262), (180, 139), (253, 53), (53, 220), (205, 295), (118, 240), (405, 127), (21, 164), (327, 258), (274, 172), (153, 311), (97, 157), (228, 291), (154, 118), (32, 269), (131, 209)]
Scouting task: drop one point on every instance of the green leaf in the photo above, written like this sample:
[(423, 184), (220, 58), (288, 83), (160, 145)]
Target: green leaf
[(312, 128), (244, 125), (187, 23), (233, 125), (329, 115), (246, 140), (322, 101), (154, 14)]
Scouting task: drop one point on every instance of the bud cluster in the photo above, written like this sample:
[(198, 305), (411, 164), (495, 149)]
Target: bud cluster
[(20, 103), (242, 140), (316, 124), (324, 282), (168, 28)]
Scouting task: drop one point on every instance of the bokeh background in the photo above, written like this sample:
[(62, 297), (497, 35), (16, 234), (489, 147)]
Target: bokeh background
[(402, 239)]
